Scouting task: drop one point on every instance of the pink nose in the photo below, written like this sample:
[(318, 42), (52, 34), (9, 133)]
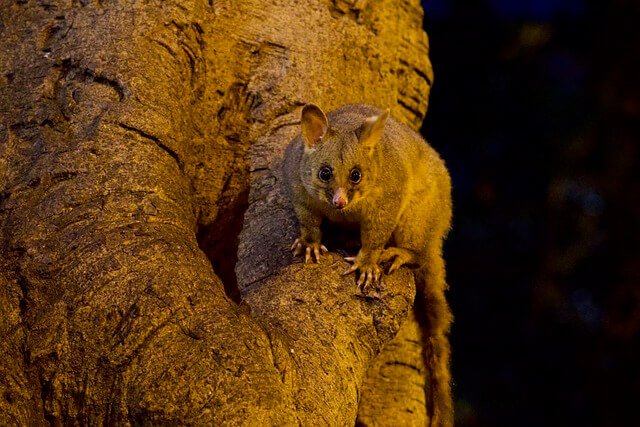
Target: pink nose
[(340, 199)]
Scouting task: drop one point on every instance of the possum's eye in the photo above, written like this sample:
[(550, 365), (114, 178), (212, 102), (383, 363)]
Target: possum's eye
[(355, 176), (325, 173)]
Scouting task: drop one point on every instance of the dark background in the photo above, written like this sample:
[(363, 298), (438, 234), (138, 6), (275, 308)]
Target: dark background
[(536, 109)]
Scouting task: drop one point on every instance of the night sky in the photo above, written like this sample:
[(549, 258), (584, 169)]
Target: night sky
[(536, 109)]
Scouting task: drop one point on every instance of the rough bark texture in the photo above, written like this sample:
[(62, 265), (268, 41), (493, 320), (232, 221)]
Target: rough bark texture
[(133, 137), (394, 387)]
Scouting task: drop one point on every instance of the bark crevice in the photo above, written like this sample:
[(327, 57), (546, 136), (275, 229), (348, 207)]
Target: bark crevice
[(156, 141)]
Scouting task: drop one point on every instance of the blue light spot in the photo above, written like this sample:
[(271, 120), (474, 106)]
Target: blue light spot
[(436, 8)]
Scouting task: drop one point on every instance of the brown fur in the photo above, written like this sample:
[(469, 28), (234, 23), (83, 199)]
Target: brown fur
[(402, 204)]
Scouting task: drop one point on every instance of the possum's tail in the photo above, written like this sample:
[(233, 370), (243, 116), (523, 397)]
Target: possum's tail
[(438, 319)]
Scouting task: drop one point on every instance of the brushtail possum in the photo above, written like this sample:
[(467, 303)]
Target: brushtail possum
[(357, 165)]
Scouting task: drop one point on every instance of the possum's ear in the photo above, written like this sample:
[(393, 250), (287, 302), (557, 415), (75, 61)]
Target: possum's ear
[(314, 125), (371, 130)]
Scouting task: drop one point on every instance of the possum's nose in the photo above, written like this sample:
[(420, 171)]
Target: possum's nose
[(340, 199)]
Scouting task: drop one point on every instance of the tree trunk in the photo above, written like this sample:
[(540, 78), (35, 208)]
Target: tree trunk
[(137, 140)]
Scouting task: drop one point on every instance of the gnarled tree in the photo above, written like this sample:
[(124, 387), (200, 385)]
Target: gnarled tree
[(139, 178)]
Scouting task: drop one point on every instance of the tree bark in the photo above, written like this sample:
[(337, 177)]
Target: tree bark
[(136, 140)]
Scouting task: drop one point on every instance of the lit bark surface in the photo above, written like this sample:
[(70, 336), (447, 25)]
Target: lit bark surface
[(133, 138)]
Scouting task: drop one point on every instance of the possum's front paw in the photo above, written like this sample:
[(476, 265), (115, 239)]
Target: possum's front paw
[(370, 272), (310, 250), (397, 257)]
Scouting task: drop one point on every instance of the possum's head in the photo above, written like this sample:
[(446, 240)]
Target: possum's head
[(338, 166)]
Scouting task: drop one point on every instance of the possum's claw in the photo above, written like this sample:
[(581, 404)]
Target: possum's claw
[(370, 272), (312, 251)]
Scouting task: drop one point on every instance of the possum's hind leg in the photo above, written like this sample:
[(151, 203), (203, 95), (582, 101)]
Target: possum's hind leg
[(400, 257)]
